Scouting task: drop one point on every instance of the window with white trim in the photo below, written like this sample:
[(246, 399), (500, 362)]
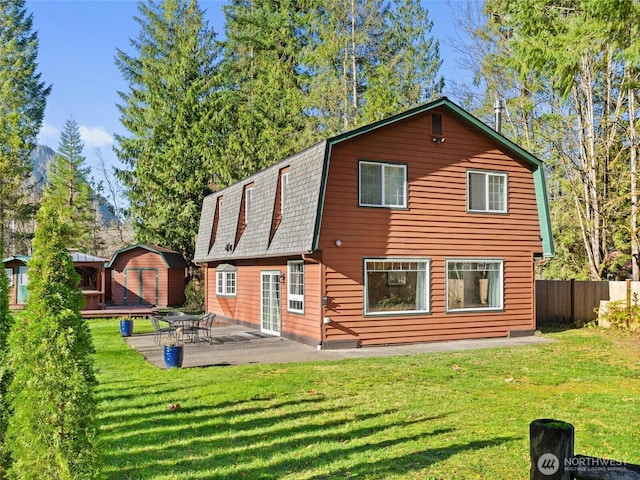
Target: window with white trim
[(396, 286), (382, 185), (486, 192), (9, 273), (475, 284), (295, 286), (226, 283)]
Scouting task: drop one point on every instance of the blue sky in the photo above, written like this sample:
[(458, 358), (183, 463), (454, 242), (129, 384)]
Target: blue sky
[(78, 42)]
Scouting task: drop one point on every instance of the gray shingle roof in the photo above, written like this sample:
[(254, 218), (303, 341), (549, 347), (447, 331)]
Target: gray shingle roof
[(295, 234)]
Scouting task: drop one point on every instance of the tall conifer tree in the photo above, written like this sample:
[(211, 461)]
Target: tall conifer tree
[(69, 189), (406, 73), (264, 98), (22, 103), (170, 113), (52, 430), (6, 323)]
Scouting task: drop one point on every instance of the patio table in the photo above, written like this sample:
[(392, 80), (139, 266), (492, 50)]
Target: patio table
[(185, 326)]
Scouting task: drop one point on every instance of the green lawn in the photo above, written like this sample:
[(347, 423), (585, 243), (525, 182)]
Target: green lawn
[(431, 416)]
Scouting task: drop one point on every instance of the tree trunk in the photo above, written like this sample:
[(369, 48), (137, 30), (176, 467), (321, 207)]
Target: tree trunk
[(633, 152)]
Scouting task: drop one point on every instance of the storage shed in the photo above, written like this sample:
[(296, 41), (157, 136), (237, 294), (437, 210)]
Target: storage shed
[(147, 275)]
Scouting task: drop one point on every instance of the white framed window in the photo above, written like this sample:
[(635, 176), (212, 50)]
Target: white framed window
[(486, 192), (382, 184), (226, 283), (295, 286), (394, 286), (475, 284), (248, 199), (284, 186), (9, 273)]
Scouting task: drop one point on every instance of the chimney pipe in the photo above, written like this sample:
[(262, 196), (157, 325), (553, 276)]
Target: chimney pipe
[(497, 109)]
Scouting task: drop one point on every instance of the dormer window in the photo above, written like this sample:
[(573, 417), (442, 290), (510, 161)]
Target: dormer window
[(284, 184), (248, 199)]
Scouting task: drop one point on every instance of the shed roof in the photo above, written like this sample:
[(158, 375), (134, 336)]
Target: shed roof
[(79, 257), (299, 231), (76, 257), (171, 258), (20, 258)]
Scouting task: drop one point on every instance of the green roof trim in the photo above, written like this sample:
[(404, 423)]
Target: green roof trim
[(22, 258), (536, 164)]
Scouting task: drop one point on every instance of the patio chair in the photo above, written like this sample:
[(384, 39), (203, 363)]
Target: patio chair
[(206, 323), (191, 331), (159, 331)]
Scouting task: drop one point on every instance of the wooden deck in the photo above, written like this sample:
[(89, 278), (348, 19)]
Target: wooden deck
[(121, 311)]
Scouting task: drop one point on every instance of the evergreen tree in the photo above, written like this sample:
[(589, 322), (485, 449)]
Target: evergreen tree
[(6, 322), (170, 113), (406, 73), (345, 48), (577, 66), (297, 71), (264, 98), (22, 103), (52, 430), (69, 189)]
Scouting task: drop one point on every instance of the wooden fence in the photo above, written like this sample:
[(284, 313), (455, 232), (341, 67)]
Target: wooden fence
[(577, 301), (551, 445)]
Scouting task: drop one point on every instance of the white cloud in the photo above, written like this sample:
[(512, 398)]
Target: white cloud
[(95, 137), (49, 135)]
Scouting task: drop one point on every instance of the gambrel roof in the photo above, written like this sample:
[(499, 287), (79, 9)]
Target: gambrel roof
[(170, 258), (295, 233), (299, 230)]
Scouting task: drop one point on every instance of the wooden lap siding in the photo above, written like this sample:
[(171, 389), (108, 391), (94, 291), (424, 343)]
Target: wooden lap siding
[(435, 226), (301, 327), (175, 283)]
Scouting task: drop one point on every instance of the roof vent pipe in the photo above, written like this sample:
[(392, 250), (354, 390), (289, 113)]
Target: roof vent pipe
[(497, 109)]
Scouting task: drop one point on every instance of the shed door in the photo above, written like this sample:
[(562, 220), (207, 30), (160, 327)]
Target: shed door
[(270, 302), (23, 279), (140, 286)]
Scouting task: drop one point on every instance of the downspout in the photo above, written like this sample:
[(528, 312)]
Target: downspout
[(323, 296)]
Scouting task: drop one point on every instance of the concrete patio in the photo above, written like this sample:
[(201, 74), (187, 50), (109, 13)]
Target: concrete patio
[(239, 345)]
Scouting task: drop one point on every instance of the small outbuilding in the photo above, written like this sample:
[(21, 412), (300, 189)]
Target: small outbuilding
[(93, 279), (91, 268), (147, 275), (16, 270)]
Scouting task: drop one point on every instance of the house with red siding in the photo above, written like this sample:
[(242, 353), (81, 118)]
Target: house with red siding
[(421, 227)]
